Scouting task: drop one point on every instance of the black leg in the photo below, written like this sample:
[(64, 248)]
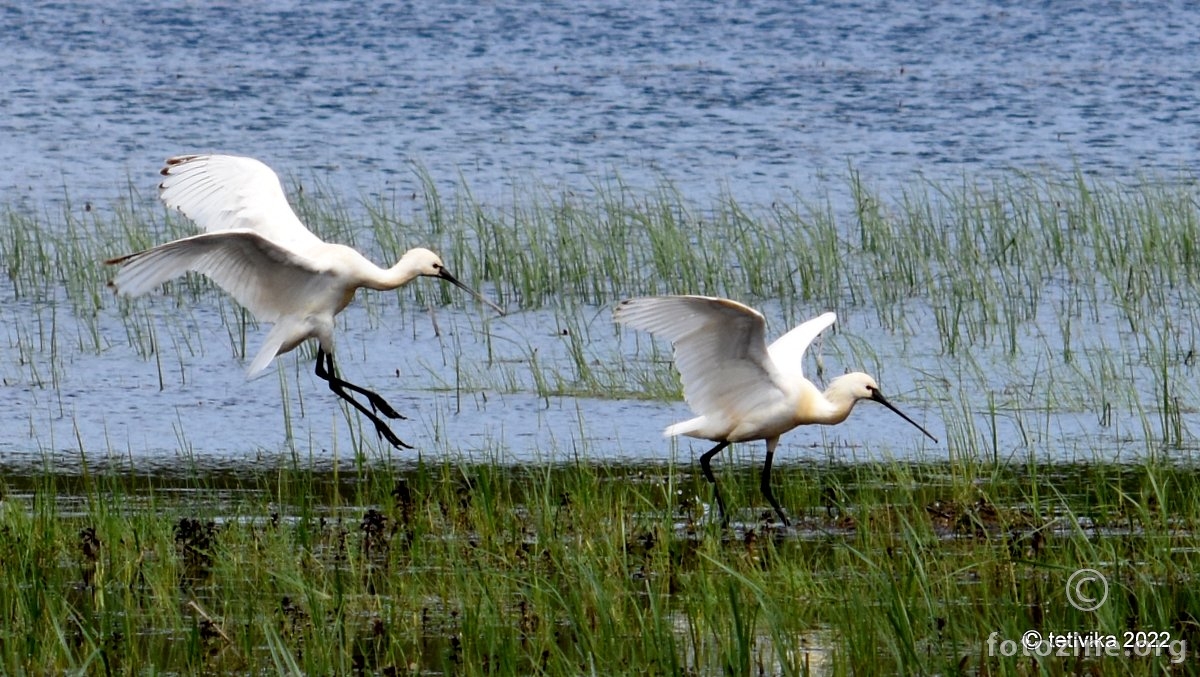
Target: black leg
[(328, 373), (765, 485), (708, 475), (325, 371)]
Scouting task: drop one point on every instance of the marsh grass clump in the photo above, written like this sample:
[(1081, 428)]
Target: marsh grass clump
[(893, 568), (989, 268), (976, 251)]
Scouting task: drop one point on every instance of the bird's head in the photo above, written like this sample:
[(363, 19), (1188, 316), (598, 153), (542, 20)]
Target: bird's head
[(860, 386), (856, 386), (425, 263)]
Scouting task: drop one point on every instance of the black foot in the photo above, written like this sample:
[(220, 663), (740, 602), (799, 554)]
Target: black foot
[(386, 433), (381, 405)]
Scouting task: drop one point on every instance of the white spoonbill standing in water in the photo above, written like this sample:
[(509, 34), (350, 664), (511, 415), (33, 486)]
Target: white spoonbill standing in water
[(255, 248), (742, 388)]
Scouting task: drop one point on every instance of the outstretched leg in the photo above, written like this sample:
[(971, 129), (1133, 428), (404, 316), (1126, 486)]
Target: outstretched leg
[(765, 484), (708, 475), (326, 372)]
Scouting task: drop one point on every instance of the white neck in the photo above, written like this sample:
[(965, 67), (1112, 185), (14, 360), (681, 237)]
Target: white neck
[(385, 279)]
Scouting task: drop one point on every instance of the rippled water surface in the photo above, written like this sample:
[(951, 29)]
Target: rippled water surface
[(755, 97)]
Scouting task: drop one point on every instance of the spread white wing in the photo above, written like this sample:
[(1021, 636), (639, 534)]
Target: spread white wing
[(275, 284), (269, 280), (787, 352), (720, 351), (226, 192)]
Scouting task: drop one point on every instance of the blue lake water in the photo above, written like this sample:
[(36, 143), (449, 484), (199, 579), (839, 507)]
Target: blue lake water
[(755, 99)]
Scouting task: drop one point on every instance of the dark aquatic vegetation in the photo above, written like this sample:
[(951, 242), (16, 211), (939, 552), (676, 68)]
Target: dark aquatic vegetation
[(551, 567)]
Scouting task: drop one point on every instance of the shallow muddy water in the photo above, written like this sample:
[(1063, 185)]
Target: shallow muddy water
[(113, 403), (504, 390)]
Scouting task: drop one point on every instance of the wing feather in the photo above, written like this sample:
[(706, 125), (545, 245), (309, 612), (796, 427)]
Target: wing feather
[(787, 351), (226, 192), (720, 351), (266, 278)]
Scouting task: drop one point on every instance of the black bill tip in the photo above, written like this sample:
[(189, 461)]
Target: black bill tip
[(445, 275), (878, 397)]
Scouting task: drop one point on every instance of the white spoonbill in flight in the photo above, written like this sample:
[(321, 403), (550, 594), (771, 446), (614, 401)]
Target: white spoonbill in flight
[(741, 388), (256, 249)]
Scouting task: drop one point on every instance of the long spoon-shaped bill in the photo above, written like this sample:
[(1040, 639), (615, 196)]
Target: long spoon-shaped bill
[(878, 397), (445, 275)]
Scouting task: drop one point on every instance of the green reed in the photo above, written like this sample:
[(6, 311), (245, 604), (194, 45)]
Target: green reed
[(484, 569), (984, 258), (980, 252)]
